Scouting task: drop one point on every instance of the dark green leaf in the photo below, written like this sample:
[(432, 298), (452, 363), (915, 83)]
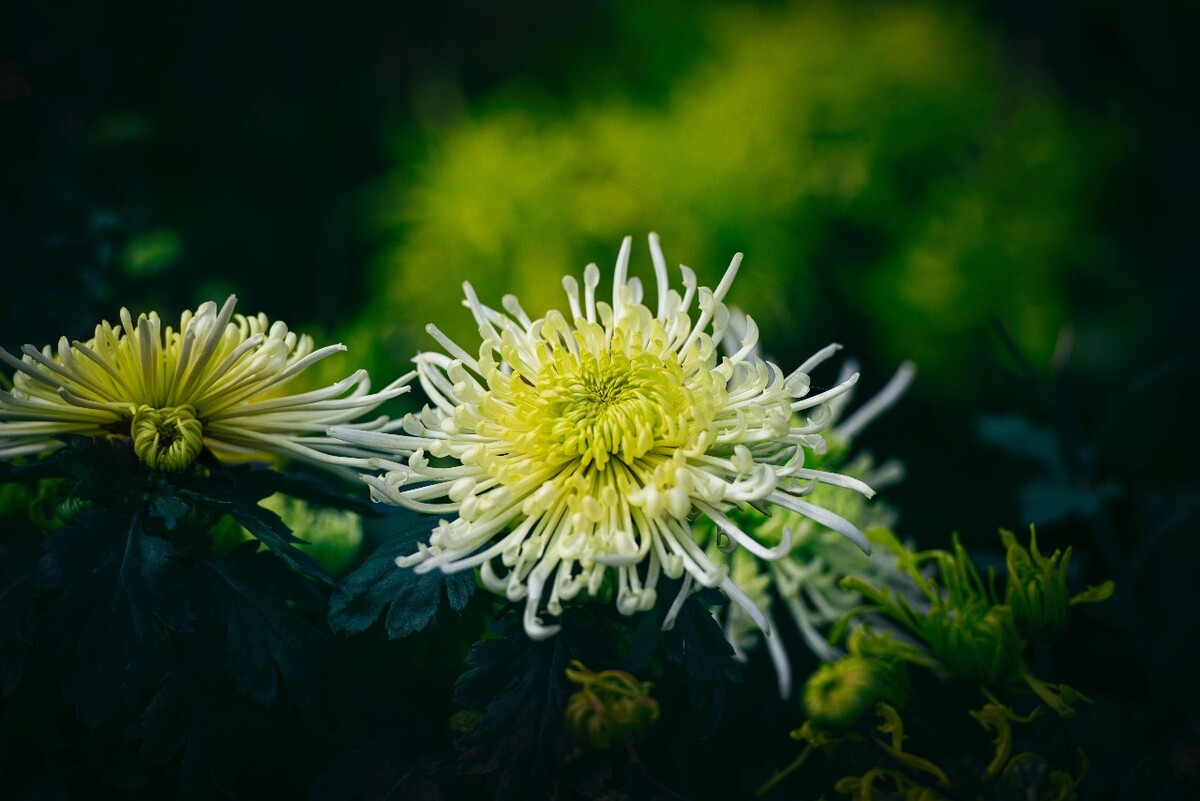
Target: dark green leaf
[(19, 591), (1044, 501), (307, 487), (698, 645), (168, 508), (31, 471), (272, 532), (411, 599), (521, 686), (103, 470), (119, 592), (181, 719), (255, 603), (1022, 439), (231, 491), (379, 770)]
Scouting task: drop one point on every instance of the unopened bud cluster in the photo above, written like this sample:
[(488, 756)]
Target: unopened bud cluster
[(1037, 590), (611, 707)]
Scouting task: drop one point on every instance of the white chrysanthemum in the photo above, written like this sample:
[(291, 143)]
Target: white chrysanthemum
[(582, 444), (219, 381), (806, 580)]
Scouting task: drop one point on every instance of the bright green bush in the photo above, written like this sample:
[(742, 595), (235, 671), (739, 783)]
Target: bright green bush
[(888, 175)]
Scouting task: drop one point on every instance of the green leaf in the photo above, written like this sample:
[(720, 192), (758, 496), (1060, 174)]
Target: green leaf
[(182, 720), (1052, 500), (1021, 438), (410, 598), (31, 471), (698, 645), (19, 591), (1095, 595), (168, 508), (307, 487), (521, 686), (379, 770), (255, 602), (118, 593), (103, 470), (236, 491)]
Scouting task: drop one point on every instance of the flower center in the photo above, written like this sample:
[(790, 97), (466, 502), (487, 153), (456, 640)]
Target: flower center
[(167, 440), (615, 405)]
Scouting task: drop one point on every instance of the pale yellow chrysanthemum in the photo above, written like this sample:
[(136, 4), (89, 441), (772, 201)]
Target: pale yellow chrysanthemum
[(575, 446), (219, 381)]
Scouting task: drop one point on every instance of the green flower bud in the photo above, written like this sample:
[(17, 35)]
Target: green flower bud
[(166, 440), (634, 714), (46, 505), (840, 693), (611, 707), (978, 642), (1037, 590)]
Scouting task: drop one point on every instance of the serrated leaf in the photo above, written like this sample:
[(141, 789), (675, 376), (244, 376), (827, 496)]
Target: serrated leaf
[(181, 720), (411, 599), (1043, 501), (227, 491), (19, 592), (254, 602), (698, 645), (168, 508), (103, 469), (269, 529), (1021, 438), (378, 770), (521, 686), (119, 593), (46, 467), (307, 487)]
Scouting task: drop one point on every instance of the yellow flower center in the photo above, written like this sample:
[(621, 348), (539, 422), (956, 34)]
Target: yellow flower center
[(167, 440), (597, 408)]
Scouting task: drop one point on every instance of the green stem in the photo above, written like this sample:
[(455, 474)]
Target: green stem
[(1045, 663), (780, 775)]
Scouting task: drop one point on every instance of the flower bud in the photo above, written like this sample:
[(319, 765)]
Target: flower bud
[(611, 707), (48, 508), (840, 693), (978, 642), (1037, 590), (167, 440)]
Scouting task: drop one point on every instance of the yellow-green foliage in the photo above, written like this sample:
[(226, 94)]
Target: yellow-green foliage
[(885, 155)]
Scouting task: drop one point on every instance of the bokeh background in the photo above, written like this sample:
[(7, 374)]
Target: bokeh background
[(1004, 193)]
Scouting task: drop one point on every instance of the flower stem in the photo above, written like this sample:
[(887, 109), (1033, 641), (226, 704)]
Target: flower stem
[(780, 775)]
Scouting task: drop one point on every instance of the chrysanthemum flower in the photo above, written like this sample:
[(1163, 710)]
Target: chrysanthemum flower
[(805, 581), (573, 446), (219, 381)]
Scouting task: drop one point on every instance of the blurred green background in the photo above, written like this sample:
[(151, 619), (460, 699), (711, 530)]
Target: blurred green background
[(1004, 193)]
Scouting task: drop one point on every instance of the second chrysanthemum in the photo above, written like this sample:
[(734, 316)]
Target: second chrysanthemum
[(221, 381), (574, 445)]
